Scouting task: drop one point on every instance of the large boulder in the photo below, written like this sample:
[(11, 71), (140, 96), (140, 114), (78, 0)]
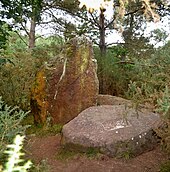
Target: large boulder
[(66, 85), (112, 130)]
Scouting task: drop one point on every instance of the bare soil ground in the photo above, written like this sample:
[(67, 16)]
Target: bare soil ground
[(48, 149)]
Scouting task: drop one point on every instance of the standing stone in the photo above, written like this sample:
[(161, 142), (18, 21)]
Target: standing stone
[(66, 85)]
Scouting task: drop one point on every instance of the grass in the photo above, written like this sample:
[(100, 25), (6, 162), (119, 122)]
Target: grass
[(66, 154), (39, 130), (165, 167), (40, 167), (92, 153), (126, 155)]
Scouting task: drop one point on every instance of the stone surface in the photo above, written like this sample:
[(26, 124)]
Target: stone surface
[(66, 85), (112, 100), (112, 130)]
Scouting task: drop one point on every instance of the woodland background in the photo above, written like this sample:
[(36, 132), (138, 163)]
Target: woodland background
[(134, 69)]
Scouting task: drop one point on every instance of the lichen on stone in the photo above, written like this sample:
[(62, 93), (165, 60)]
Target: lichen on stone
[(38, 97), (67, 84)]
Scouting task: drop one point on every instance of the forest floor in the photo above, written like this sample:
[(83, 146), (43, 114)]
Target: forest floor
[(48, 155)]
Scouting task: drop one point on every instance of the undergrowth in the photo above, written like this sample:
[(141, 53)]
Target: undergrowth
[(137, 79), (39, 129), (10, 124), (163, 107), (19, 65), (66, 154), (165, 167)]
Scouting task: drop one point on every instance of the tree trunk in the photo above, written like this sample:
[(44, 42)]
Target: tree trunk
[(102, 43), (102, 46), (32, 33)]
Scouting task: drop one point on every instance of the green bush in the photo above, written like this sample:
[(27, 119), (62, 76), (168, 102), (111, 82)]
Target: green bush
[(163, 107), (16, 78), (114, 73), (10, 124), (164, 104), (134, 78), (18, 67)]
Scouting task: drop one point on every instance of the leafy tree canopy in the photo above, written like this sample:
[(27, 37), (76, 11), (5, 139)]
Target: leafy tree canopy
[(4, 33)]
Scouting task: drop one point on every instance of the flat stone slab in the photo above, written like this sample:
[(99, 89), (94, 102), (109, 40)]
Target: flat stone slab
[(113, 130)]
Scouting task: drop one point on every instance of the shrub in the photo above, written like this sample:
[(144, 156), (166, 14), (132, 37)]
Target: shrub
[(10, 123), (163, 107), (18, 67), (16, 78), (164, 104), (115, 75), (133, 78)]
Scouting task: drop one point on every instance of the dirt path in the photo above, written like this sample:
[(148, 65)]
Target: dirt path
[(47, 148)]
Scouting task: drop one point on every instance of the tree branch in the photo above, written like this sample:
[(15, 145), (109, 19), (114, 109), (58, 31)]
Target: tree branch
[(25, 29), (135, 11), (95, 21), (115, 43), (21, 38), (111, 22)]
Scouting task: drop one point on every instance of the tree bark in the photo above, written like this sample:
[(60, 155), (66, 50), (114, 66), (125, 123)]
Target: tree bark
[(102, 43), (32, 33), (102, 46)]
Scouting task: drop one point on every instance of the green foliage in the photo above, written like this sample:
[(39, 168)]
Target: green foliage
[(10, 123), (126, 155), (14, 157), (165, 167), (4, 61), (159, 35), (149, 83), (41, 132), (49, 47), (163, 107), (57, 128), (16, 43), (65, 154), (4, 33), (16, 79), (40, 167), (152, 74), (116, 73), (164, 104), (92, 152), (18, 67), (20, 10), (142, 79)]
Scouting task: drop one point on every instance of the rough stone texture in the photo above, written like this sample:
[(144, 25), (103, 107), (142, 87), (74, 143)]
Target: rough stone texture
[(113, 130), (66, 85), (112, 100), (38, 96)]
